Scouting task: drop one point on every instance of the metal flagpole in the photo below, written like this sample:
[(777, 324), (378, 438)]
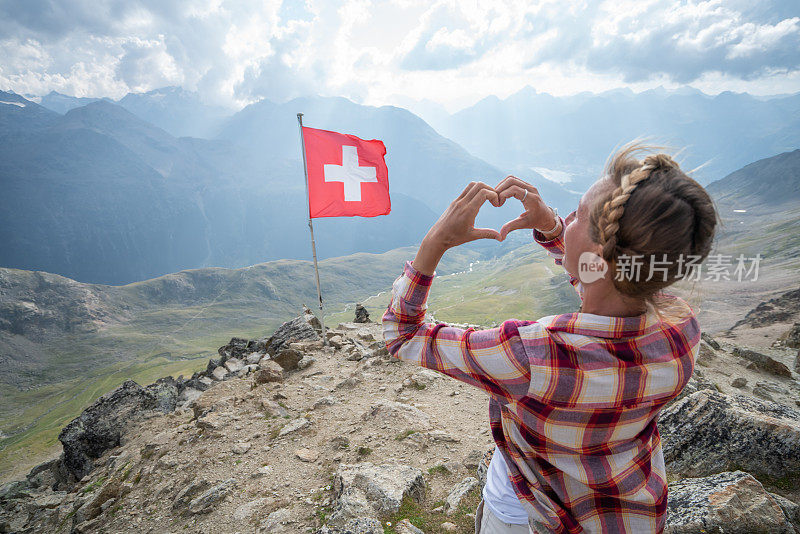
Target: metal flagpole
[(311, 228)]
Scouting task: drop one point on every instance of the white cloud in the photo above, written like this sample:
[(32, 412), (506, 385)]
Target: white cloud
[(451, 52)]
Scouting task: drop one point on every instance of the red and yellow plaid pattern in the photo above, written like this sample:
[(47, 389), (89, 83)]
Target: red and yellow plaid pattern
[(574, 400)]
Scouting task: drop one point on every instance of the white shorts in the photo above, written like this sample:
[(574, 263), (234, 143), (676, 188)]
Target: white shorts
[(488, 523)]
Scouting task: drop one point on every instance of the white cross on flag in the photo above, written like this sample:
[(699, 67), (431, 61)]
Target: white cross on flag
[(347, 176)]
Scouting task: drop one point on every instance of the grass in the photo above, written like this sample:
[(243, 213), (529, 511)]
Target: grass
[(363, 451), (421, 516), (438, 470), (94, 485)]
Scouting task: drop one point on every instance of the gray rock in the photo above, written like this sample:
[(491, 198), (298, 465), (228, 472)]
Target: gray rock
[(189, 492), (457, 494), (288, 359), (101, 425), (254, 357), (298, 329), (710, 340), (306, 362), (219, 373), (473, 459), (762, 392), (763, 362), (362, 315), (246, 511), (269, 372), (709, 432), (696, 383), (729, 502), (189, 395), (293, 426), (237, 348), (207, 382), (706, 355), (386, 411), (276, 521), (328, 400), (359, 525), (483, 466), (790, 509), (14, 490), (739, 382), (369, 490), (241, 448), (211, 497), (792, 339), (404, 526), (93, 506), (233, 365), (336, 341)]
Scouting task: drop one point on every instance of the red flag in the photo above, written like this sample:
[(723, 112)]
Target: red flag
[(347, 176)]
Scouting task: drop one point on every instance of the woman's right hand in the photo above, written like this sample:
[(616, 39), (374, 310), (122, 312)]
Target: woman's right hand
[(537, 214)]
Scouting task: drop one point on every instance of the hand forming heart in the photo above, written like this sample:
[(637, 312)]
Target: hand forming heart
[(457, 224)]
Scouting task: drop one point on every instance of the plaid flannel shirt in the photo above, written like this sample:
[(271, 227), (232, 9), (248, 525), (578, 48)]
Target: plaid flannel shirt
[(574, 400)]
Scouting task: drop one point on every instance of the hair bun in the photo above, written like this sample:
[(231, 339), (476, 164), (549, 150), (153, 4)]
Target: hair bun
[(659, 161)]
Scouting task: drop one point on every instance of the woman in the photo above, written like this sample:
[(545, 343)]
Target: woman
[(574, 398)]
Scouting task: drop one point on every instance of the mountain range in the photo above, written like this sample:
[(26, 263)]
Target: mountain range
[(100, 195), (576, 134), (115, 192)]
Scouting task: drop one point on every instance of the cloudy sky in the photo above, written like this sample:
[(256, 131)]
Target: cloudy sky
[(396, 51)]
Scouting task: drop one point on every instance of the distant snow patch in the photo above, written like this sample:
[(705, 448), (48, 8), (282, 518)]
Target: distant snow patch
[(20, 104), (560, 177)]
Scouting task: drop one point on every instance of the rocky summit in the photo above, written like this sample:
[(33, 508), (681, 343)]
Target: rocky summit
[(328, 434)]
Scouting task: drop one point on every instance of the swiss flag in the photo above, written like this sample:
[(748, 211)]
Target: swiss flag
[(347, 176)]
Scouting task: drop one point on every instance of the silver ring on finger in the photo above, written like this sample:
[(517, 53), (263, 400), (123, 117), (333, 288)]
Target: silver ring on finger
[(525, 196)]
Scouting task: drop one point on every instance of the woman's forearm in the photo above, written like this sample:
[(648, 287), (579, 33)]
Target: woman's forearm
[(429, 254)]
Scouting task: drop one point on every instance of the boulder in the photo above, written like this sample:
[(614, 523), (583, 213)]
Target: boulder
[(269, 372), (219, 373), (234, 365), (298, 329), (188, 493), (209, 498), (763, 362), (100, 426), (369, 490), (729, 502), (708, 432), (362, 315), (237, 348), (457, 494), (288, 359)]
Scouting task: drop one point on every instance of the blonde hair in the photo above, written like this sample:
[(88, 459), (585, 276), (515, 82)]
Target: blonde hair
[(653, 210)]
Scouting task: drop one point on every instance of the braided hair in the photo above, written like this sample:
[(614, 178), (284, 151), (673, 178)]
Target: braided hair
[(653, 211)]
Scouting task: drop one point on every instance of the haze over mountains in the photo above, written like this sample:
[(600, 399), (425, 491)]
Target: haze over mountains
[(577, 133), (108, 192)]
